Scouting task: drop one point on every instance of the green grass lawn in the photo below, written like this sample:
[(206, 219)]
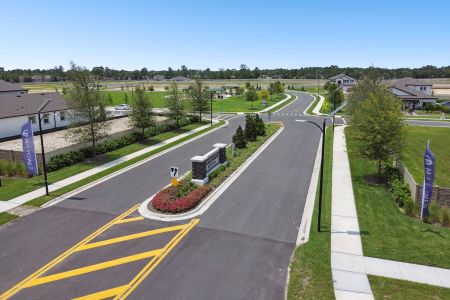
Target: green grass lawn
[(240, 104), (6, 217), (394, 289), (415, 143), (312, 106), (387, 232), (322, 91), (14, 187), (156, 98), (310, 275)]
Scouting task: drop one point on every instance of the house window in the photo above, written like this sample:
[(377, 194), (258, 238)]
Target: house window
[(46, 119), (32, 119), (62, 116)]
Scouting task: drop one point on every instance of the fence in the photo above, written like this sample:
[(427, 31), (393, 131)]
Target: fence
[(441, 195)]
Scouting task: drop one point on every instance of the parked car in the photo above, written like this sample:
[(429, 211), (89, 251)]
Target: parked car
[(122, 107)]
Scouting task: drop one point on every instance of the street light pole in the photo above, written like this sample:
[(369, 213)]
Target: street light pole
[(40, 109), (322, 159)]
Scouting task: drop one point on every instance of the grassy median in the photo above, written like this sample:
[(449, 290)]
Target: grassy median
[(310, 275)]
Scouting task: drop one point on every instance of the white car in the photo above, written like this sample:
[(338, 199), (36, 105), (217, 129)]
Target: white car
[(122, 107)]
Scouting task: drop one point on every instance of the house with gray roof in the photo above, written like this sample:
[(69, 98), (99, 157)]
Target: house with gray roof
[(7, 88), (415, 93), (344, 80), (17, 109)]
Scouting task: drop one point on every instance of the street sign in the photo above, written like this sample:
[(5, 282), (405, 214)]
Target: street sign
[(269, 113), (232, 145), (264, 103), (174, 172)]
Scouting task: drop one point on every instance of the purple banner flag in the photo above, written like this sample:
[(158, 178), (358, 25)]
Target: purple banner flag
[(29, 155), (428, 179)]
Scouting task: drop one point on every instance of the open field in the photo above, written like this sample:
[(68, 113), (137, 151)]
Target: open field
[(240, 104), (156, 98), (416, 139), (310, 275), (385, 231)]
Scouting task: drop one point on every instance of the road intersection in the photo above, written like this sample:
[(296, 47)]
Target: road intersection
[(239, 248)]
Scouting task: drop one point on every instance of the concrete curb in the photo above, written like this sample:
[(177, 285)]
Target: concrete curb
[(316, 109), (123, 170), (305, 112), (308, 210), (205, 204)]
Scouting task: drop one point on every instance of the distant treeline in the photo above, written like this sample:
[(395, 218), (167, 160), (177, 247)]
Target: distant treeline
[(105, 73)]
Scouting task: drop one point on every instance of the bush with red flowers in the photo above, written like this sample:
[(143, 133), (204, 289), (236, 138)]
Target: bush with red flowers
[(169, 199)]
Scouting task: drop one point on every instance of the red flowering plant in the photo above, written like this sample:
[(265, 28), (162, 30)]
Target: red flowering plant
[(180, 198)]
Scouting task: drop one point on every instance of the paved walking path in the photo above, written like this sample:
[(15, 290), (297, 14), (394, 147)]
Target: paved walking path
[(349, 266), (15, 202)]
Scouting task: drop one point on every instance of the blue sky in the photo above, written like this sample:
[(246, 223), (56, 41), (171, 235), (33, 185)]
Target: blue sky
[(224, 34)]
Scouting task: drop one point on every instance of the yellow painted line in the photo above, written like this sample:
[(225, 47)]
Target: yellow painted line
[(127, 220), (93, 268), (130, 237), (156, 261), (103, 294), (64, 255)]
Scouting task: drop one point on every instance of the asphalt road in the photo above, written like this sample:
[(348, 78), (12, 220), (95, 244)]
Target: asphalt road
[(240, 249)]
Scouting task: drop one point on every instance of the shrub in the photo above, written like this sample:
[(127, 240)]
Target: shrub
[(21, 169), (216, 172), (64, 160), (434, 213), (239, 138), (151, 88), (167, 201), (11, 168), (445, 216), (3, 167), (409, 207), (400, 191)]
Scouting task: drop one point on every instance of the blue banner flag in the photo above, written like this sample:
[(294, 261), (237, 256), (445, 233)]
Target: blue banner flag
[(29, 155), (428, 179)]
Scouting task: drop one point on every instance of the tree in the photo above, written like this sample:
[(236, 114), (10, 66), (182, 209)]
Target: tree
[(251, 94), (360, 92), (264, 94), (141, 113), (271, 90), (87, 107), (199, 98), (260, 126), (175, 104), (251, 133), (378, 126), (278, 88), (239, 138), (109, 99), (125, 98)]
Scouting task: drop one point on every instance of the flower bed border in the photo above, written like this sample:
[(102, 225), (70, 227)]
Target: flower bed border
[(163, 200)]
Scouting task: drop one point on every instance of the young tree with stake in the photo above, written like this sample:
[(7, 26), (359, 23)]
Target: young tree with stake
[(141, 113)]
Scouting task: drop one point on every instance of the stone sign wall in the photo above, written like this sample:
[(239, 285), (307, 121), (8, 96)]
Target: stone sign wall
[(203, 165)]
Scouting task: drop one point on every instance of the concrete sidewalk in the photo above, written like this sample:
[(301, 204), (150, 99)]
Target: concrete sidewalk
[(15, 202), (349, 266), (316, 109)]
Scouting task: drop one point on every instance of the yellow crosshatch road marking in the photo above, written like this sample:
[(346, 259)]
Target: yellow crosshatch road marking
[(120, 292), (130, 220), (104, 294), (130, 237)]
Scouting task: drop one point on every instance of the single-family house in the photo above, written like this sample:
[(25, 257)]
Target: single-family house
[(17, 109), (414, 92), (159, 78), (343, 80), (7, 88)]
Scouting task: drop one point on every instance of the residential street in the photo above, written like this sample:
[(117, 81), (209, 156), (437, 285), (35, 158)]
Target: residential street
[(241, 247)]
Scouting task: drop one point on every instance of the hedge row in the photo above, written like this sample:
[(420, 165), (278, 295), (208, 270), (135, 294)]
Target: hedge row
[(167, 201), (67, 159)]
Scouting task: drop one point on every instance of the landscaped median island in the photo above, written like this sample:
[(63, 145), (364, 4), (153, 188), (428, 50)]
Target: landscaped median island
[(186, 195)]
